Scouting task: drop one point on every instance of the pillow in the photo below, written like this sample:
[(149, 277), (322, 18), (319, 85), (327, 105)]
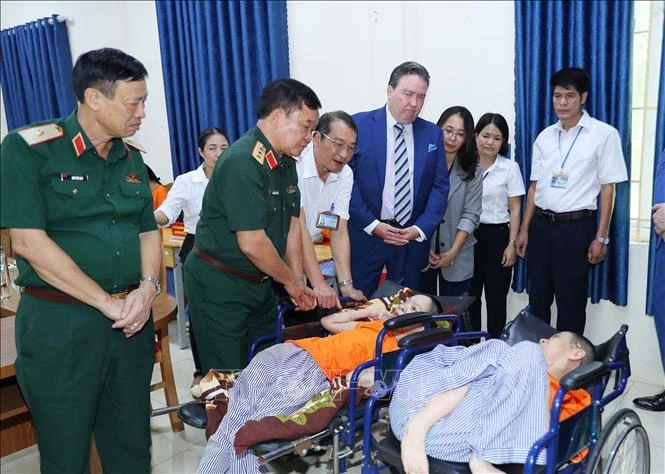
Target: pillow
[(312, 418)]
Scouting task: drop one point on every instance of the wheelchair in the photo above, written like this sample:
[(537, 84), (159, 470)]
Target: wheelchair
[(578, 444), (339, 438)]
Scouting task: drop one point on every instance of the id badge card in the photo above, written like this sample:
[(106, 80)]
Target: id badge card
[(327, 220), (559, 180)]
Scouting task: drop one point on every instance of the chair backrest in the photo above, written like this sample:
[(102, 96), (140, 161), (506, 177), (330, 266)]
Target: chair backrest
[(526, 327)]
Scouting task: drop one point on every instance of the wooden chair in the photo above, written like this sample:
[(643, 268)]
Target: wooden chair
[(165, 310)]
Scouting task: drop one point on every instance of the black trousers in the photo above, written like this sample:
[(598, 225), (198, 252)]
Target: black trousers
[(558, 268), (186, 248), (489, 275), (430, 278)]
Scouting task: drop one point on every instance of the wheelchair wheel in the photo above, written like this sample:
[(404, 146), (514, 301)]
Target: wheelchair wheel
[(623, 446)]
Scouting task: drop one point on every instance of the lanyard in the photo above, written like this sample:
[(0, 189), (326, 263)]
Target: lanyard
[(571, 147)]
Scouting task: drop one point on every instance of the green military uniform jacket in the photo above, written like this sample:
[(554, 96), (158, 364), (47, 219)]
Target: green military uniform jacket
[(252, 187), (94, 209)]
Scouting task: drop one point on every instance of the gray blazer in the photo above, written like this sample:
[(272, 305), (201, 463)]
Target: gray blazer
[(465, 204)]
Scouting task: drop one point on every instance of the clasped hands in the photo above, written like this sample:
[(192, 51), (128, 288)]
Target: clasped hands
[(131, 313), (395, 236)]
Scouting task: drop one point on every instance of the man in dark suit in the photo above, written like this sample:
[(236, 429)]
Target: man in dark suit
[(400, 184)]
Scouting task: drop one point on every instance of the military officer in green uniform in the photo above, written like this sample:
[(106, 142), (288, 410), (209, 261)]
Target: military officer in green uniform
[(249, 233), (75, 197)]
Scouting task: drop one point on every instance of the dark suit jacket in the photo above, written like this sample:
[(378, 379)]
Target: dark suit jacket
[(430, 178)]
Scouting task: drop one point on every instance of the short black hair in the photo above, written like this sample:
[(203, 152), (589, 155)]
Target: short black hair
[(327, 119), (500, 122), (581, 342), (286, 94), (571, 76), (102, 69), (209, 132), (468, 154), (151, 175), (404, 69)]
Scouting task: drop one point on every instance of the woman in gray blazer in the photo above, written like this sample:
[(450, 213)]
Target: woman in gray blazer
[(450, 270)]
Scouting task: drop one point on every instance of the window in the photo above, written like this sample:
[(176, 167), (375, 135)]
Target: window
[(646, 69)]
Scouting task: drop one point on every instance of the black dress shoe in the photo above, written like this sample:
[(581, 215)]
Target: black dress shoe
[(652, 403)]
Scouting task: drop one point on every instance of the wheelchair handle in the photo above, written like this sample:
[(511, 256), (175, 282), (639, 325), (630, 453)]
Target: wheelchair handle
[(409, 319), (426, 337), (584, 375)]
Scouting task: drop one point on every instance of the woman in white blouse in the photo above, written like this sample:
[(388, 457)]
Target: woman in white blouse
[(186, 194), (495, 254)]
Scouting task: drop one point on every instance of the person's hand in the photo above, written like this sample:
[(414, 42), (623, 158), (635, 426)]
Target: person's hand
[(596, 253), (410, 233), (389, 234), (351, 292), (414, 456), (441, 260), (509, 256), (659, 218), (522, 243), (301, 296), (136, 309), (112, 309), (326, 296)]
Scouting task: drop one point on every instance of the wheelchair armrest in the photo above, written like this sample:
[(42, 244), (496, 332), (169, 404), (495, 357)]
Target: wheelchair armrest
[(303, 331), (584, 375), (425, 337), (407, 320)]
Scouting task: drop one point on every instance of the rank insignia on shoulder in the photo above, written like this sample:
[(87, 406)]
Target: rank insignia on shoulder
[(135, 145), (40, 134), (259, 152), (291, 189), (133, 178), (272, 161), (79, 144)]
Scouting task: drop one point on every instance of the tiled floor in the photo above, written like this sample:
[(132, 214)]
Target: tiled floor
[(181, 452)]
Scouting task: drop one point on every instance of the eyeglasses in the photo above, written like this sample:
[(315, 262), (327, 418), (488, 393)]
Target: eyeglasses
[(454, 134), (339, 144)]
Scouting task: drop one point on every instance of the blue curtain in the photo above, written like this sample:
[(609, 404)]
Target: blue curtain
[(660, 147), (596, 36), (216, 57), (36, 72)]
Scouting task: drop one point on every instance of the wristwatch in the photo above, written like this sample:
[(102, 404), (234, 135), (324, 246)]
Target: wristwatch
[(154, 281), (602, 240)]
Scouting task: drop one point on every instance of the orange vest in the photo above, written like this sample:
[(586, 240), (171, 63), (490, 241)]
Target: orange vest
[(573, 401)]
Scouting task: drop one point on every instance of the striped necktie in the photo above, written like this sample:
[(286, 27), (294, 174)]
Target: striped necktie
[(402, 178)]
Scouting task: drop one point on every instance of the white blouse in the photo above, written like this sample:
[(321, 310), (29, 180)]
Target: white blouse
[(186, 195), (500, 181)]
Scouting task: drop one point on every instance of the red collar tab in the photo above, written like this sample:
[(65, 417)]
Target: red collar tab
[(272, 161), (79, 144)]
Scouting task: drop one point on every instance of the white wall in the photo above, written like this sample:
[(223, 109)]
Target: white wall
[(129, 26), (345, 51)]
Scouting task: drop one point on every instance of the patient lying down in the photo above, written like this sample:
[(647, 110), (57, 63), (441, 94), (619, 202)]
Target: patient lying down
[(282, 378), (485, 404)]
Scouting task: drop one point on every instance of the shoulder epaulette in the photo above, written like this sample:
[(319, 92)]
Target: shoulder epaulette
[(134, 144), (41, 133), (259, 152)]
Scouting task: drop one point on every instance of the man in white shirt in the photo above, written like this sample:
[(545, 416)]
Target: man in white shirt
[(573, 161), (325, 182)]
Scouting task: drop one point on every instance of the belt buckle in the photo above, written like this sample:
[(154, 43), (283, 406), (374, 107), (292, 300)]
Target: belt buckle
[(121, 296), (264, 278)]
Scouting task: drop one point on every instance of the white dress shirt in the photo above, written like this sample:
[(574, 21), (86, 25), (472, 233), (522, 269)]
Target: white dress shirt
[(388, 202), (500, 181), (186, 195), (316, 196), (594, 158)]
